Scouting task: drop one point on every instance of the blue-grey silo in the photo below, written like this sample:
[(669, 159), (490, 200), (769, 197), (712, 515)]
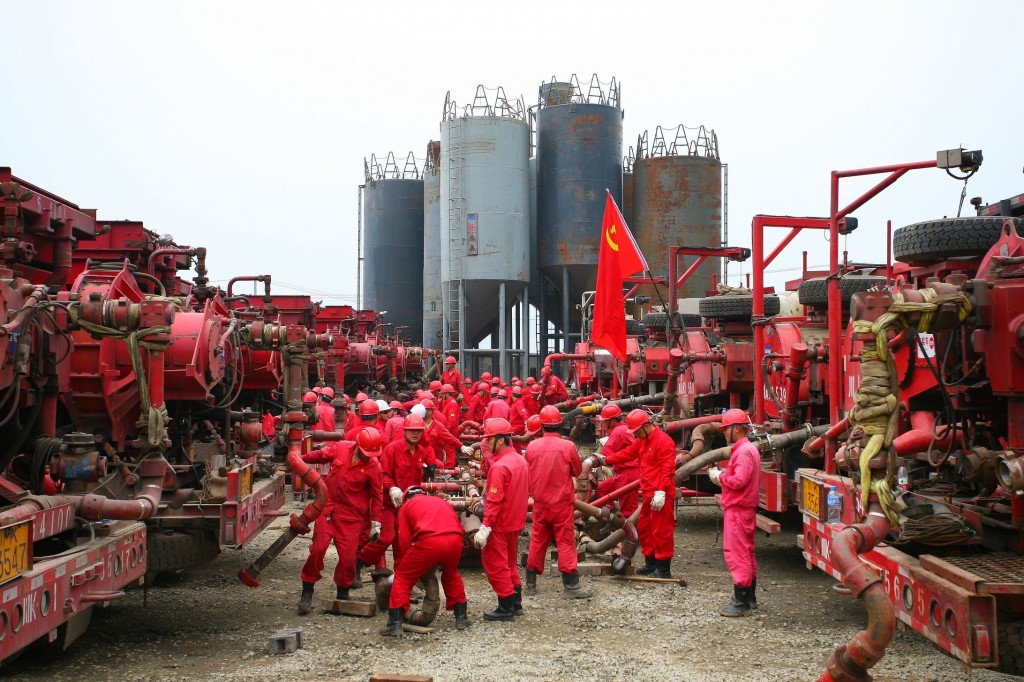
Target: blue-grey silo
[(433, 312), (579, 156), (393, 243), (677, 201), (485, 238)]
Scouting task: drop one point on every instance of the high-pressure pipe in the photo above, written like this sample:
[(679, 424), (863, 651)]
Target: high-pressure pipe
[(692, 423), (702, 435), (675, 361), (813, 449), (795, 373), (252, 278), (850, 663)]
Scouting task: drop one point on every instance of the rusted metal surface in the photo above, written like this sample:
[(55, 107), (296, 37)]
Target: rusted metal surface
[(433, 310)]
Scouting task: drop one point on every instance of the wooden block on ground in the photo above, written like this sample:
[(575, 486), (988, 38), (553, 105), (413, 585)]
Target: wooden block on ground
[(347, 607), (385, 677), (419, 630), (588, 568)]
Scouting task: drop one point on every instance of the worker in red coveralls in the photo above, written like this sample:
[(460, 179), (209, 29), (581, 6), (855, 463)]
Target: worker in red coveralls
[(531, 398), (655, 453), (401, 467), (437, 436), (554, 391), (625, 468), (739, 481), (435, 389), (448, 409), (383, 414), (325, 411), (451, 374), (518, 414), (368, 413), (554, 463), (396, 422), (355, 499), (506, 496), (497, 408), (478, 403), (429, 533)]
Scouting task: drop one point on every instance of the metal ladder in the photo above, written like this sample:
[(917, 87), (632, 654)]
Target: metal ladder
[(456, 239)]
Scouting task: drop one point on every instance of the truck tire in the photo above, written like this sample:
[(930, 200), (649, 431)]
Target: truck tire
[(815, 291), (937, 240), (735, 307), (171, 551), (1010, 634), (658, 320), (634, 328)]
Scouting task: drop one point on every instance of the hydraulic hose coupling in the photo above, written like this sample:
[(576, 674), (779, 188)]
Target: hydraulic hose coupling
[(1010, 471)]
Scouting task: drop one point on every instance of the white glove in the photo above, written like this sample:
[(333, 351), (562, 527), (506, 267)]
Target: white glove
[(714, 473), (658, 501), (480, 539), (596, 460), (467, 450), (396, 496), (374, 531)]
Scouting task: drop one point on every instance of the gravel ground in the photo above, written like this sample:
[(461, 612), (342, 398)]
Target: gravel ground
[(205, 625)]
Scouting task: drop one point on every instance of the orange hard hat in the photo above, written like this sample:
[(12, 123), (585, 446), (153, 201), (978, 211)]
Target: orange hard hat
[(369, 441)]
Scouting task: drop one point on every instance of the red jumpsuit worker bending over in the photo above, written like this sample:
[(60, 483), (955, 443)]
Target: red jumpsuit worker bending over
[(553, 465), (429, 533), (626, 468), (740, 481), (554, 391), (506, 496), (655, 452), (355, 498)]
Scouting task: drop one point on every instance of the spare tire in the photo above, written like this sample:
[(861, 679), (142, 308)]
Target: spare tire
[(736, 307), (815, 291), (170, 551), (634, 328), (937, 240), (657, 321)]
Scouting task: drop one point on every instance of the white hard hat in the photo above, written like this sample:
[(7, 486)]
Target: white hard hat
[(419, 410), (383, 405)]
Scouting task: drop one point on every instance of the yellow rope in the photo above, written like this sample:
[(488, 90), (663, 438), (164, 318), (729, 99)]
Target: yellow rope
[(876, 404)]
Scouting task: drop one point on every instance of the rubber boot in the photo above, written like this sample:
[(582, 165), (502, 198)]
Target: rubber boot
[(342, 593), (505, 611), (739, 605), (394, 626), (462, 616), (663, 568), (306, 599), (358, 582), (531, 583), (517, 604), (571, 588), (753, 594), (649, 567)]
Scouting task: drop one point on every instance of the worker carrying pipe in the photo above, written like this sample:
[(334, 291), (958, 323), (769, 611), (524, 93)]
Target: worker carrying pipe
[(429, 534), (354, 492), (739, 482), (554, 463)]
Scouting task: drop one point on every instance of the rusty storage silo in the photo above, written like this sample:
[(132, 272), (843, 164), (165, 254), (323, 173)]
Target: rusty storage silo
[(485, 231), (393, 243), (579, 156), (433, 314), (627, 189), (677, 201)]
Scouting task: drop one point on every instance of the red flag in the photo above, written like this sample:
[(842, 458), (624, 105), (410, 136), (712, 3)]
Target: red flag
[(618, 259)]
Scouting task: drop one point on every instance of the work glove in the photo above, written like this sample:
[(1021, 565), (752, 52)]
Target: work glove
[(714, 473), (596, 460), (480, 539), (429, 470), (467, 451), (658, 501), (601, 442), (396, 496), (374, 531)]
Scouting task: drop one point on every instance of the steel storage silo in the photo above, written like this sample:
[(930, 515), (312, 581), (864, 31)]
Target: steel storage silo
[(393, 243), (433, 313), (579, 156), (485, 236), (677, 201)]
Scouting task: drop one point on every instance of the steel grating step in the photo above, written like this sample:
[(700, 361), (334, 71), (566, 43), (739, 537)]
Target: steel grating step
[(997, 573)]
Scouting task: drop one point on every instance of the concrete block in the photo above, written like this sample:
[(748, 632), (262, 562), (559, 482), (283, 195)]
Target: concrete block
[(345, 607), (285, 641)]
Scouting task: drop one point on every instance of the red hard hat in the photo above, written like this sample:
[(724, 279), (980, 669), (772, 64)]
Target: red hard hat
[(514, 380), (636, 419), (317, 390), (502, 393), (368, 408), (447, 388), (414, 422), (450, 360), (533, 424), (343, 400), (530, 381), (309, 397), (467, 381), (550, 416), (395, 405), (486, 376), (497, 427), (535, 389), (610, 412), (435, 385), (735, 416), (369, 441), (328, 391), (428, 404), (360, 397), (516, 391), (495, 381), (545, 370)]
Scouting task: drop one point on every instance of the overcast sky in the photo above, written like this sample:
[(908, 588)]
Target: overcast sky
[(242, 126)]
